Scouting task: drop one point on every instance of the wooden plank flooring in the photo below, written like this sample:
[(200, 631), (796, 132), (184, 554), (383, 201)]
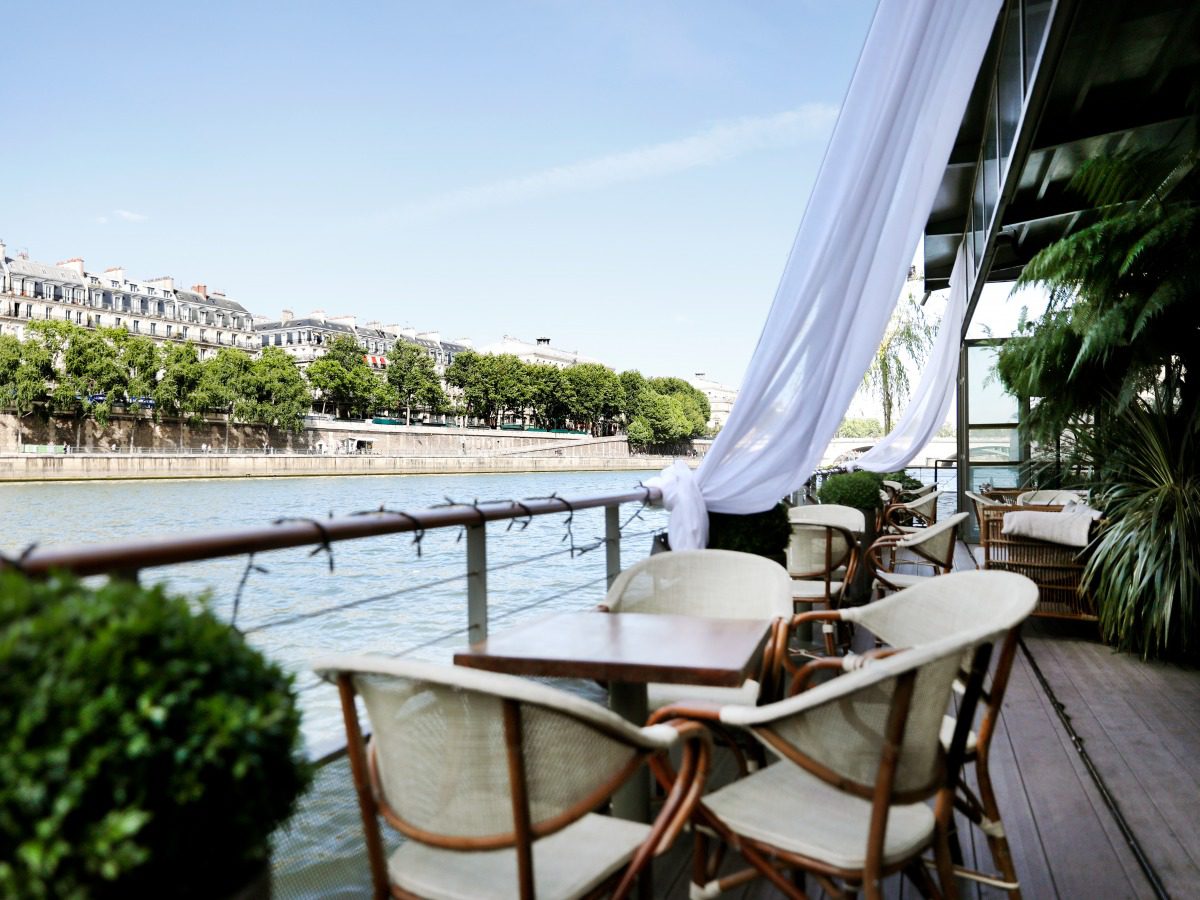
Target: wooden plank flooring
[(1139, 723)]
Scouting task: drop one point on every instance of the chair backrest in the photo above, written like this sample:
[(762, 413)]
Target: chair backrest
[(843, 724), (829, 514), (922, 490), (818, 549), (1048, 498), (443, 739), (951, 604), (925, 505), (721, 584), (935, 543)]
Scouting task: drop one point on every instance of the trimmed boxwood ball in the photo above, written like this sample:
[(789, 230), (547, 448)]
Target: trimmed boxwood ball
[(765, 533), (858, 489), (145, 748)]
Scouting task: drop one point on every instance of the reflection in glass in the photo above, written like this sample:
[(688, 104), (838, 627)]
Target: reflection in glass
[(1009, 85), (988, 402), (1037, 17), (994, 445)]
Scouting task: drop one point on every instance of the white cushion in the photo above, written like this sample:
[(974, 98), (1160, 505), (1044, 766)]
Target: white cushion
[(661, 695), (785, 807), (569, 863), (808, 590)]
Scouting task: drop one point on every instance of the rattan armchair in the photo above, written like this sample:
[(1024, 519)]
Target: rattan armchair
[(822, 552), (720, 584), (931, 547), (921, 614), (860, 755), (495, 780), (905, 516)]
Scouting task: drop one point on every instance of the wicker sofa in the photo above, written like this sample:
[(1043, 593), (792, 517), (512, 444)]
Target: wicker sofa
[(1057, 570)]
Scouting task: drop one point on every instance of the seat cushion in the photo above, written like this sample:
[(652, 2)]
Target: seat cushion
[(660, 695), (568, 863), (948, 725), (785, 807)]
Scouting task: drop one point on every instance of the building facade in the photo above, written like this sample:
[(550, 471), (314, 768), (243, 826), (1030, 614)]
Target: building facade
[(720, 399), (155, 308), (540, 352)]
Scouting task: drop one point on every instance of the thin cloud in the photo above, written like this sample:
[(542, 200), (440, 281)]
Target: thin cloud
[(714, 145), (126, 216)]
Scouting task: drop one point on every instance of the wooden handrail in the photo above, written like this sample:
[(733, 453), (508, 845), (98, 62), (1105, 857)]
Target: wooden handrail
[(130, 556)]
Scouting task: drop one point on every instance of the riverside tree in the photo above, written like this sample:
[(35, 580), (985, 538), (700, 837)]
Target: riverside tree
[(276, 393), (906, 343), (413, 378), (26, 370), (342, 379), (596, 395), (224, 385), (176, 393)]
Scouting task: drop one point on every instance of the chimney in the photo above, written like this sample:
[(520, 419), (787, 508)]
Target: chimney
[(543, 342), (75, 264), (349, 321), (699, 374), (467, 342), (408, 332), (434, 336), (201, 289), (165, 282), (3, 249), (115, 273), (318, 314), (286, 316)]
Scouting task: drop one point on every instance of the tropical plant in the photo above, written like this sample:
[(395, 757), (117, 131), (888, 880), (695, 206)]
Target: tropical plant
[(1143, 570), (137, 737), (906, 343)]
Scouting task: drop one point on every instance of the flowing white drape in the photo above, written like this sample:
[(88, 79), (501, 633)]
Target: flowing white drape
[(926, 411), (867, 210)]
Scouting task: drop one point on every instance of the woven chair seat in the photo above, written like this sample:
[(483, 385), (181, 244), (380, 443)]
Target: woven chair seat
[(949, 723), (567, 864), (785, 807), (811, 590), (660, 695)]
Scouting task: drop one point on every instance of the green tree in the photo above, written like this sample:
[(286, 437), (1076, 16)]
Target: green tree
[(475, 375), (689, 401), (92, 378), (224, 385), (177, 391), (139, 360), (276, 393), (639, 432), (26, 373), (633, 384), (549, 395), (411, 374), (343, 379), (906, 343), (860, 428), (596, 394)]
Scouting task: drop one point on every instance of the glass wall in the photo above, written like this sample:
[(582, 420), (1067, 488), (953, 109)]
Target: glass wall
[(993, 445)]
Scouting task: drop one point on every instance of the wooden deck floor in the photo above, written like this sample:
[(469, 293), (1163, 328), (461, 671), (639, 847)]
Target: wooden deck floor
[(1137, 721)]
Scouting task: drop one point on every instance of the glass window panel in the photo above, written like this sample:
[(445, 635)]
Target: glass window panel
[(991, 168), (987, 401), (1009, 87), (998, 311), (978, 217), (994, 445), (1037, 17)]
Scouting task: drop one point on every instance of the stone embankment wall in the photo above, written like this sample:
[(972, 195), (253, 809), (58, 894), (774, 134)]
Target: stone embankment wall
[(125, 433)]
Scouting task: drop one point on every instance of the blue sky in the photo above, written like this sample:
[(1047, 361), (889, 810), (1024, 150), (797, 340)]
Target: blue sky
[(623, 177)]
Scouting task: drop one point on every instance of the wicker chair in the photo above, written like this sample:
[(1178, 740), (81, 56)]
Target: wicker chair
[(932, 547), (905, 516), (822, 553), (1057, 570), (1048, 498), (494, 780), (720, 584), (860, 754), (919, 615)]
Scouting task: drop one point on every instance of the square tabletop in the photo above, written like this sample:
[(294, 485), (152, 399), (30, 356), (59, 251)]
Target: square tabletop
[(626, 647)]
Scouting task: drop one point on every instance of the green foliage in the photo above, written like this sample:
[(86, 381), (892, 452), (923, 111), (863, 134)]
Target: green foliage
[(765, 533), (639, 432), (276, 394), (26, 371), (906, 481), (906, 342), (145, 749), (860, 428), (633, 385), (690, 402), (411, 374), (550, 397), (342, 379), (595, 392), (858, 489), (1144, 570)]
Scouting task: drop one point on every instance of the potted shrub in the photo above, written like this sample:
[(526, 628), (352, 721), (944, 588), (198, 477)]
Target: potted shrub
[(145, 748), (764, 533), (859, 489)]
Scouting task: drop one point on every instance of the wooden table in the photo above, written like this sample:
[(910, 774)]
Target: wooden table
[(628, 651)]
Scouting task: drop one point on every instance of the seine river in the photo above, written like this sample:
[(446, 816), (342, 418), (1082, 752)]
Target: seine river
[(296, 582)]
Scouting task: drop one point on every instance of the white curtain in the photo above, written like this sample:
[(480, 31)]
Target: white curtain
[(868, 207), (926, 411)]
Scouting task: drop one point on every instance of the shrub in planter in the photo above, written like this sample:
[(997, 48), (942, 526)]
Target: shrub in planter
[(145, 748), (858, 489), (764, 533), (906, 481)]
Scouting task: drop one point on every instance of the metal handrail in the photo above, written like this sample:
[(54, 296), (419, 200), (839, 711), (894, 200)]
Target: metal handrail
[(128, 557)]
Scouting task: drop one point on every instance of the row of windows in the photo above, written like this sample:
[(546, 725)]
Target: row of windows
[(19, 310), (108, 300)]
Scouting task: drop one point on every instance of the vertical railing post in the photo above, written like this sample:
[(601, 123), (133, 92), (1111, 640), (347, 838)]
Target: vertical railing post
[(612, 541), (477, 599)]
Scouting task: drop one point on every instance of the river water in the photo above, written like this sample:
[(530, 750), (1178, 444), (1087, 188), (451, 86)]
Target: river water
[(296, 582)]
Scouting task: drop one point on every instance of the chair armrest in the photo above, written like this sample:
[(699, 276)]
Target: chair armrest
[(839, 664)]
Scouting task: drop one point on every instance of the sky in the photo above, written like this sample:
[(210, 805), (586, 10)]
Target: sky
[(624, 178)]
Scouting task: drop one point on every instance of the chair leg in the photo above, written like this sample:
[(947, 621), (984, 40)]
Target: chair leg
[(919, 876), (993, 827), (945, 867)]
